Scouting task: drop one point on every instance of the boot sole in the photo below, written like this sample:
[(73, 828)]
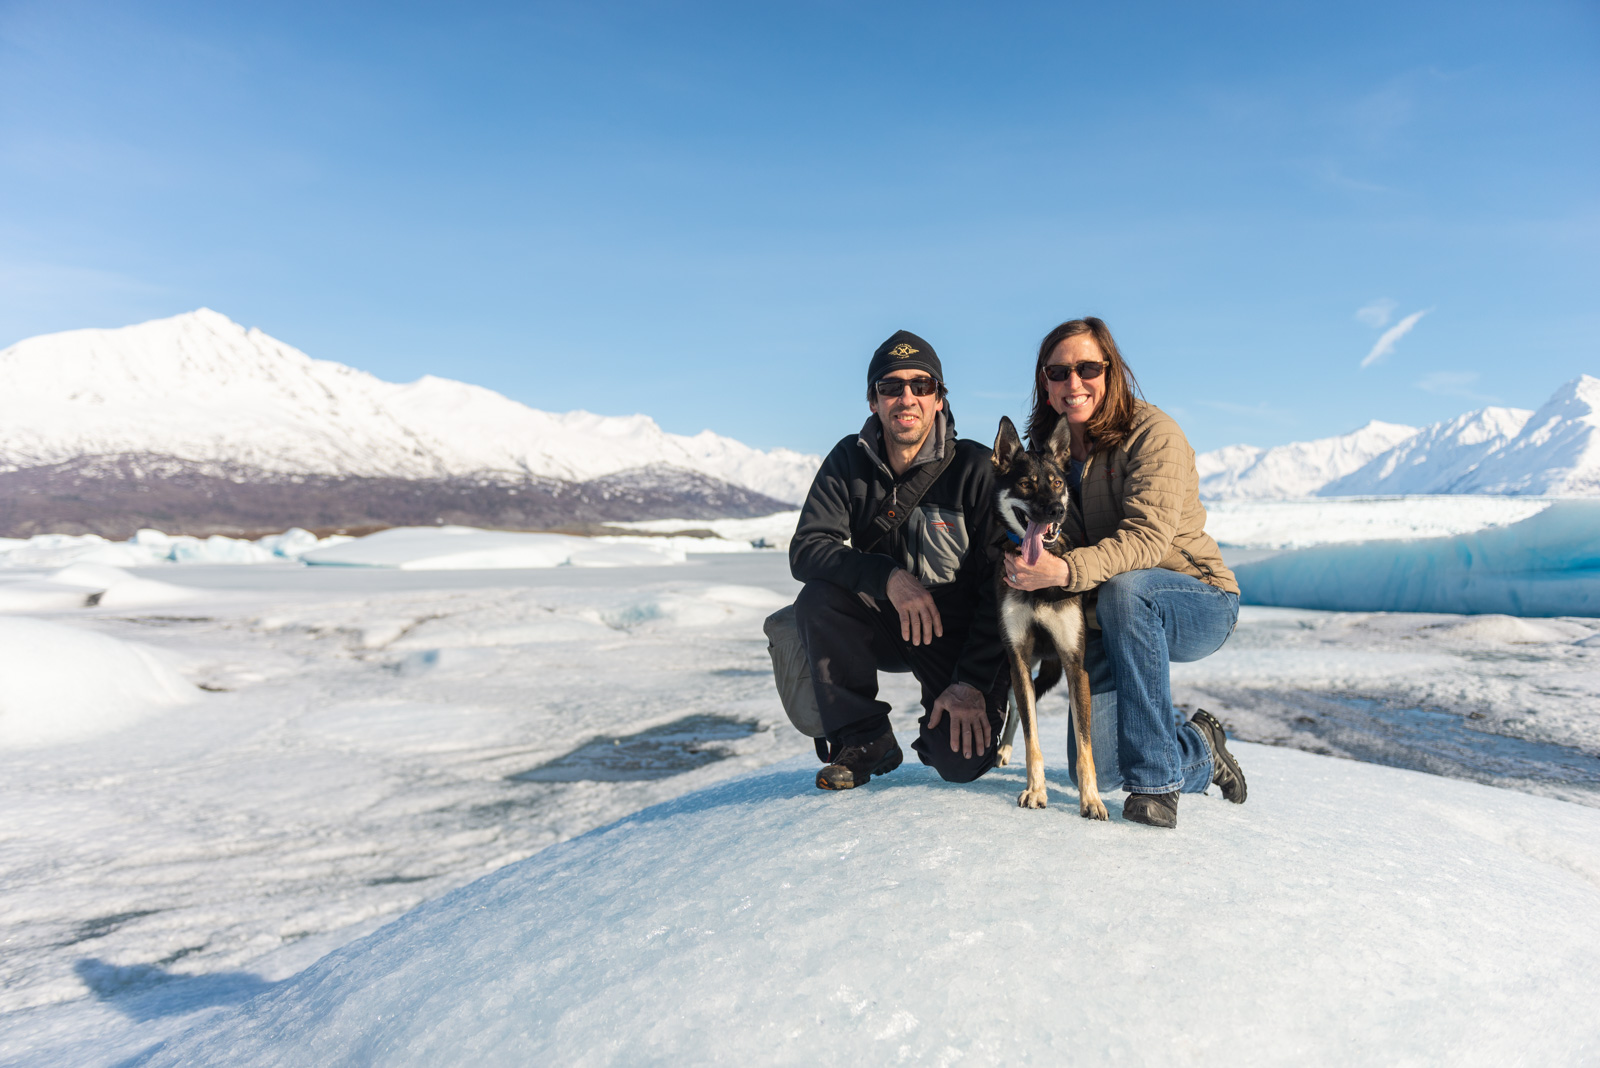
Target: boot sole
[(890, 761), (1163, 824), (1219, 751)]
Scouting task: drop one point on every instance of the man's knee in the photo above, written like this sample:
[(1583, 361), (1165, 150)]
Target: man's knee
[(933, 749), (821, 600)]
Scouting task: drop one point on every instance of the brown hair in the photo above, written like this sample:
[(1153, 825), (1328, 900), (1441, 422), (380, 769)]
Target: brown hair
[(1113, 420)]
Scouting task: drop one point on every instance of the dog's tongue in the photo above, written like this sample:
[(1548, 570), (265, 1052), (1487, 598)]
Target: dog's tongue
[(1033, 544)]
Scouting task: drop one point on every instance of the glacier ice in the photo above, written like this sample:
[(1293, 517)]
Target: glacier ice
[(727, 926), (1546, 565)]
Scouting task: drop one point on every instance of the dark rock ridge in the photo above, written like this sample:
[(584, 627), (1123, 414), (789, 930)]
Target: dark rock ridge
[(114, 496)]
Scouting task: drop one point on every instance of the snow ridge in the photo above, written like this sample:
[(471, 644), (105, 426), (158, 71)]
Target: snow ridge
[(201, 387), (1438, 459), (1298, 469), (1554, 451)]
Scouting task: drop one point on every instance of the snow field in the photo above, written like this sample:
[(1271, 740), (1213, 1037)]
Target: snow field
[(411, 548), (732, 535), (1299, 524), (448, 548), (350, 758), (356, 754), (1347, 914)]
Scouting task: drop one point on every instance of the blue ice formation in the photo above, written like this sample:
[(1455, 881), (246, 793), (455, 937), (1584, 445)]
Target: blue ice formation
[(1546, 565)]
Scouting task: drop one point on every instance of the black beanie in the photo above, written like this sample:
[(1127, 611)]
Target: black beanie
[(904, 350)]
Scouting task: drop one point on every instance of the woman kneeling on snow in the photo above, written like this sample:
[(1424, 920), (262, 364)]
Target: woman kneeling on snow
[(1161, 590)]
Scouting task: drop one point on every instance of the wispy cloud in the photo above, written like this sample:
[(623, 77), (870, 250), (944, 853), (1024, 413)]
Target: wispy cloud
[(1453, 384), (1378, 313), (1392, 335)]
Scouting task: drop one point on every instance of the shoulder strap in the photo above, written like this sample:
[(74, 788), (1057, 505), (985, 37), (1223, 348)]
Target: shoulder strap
[(903, 499)]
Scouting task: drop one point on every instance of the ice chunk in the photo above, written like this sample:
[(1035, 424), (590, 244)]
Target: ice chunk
[(1547, 565), (217, 550), (60, 684), (296, 542), (149, 548)]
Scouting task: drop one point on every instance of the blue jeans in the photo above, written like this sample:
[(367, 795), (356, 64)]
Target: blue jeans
[(1147, 620)]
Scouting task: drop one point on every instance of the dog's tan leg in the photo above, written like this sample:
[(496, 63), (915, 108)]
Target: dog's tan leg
[(1035, 796), (1089, 804), (1003, 752)]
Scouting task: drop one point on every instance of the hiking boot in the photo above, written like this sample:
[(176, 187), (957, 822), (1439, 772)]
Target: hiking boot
[(1154, 810), (855, 765), (1225, 770)]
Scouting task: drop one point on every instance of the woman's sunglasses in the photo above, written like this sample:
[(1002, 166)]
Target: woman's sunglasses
[(1088, 370), (893, 387)]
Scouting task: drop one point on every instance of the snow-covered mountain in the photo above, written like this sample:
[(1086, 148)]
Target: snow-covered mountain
[(1298, 469), (1557, 451), (1552, 452), (200, 387), (1441, 458)]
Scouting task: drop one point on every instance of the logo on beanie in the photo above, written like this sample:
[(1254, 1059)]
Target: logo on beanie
[(902, 350)]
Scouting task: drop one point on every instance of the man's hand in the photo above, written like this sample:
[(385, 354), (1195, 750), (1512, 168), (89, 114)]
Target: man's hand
[(969, 722), (919, 616)]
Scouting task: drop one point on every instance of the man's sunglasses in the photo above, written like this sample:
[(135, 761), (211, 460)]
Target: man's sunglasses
[(893, 387), (1088, 371)]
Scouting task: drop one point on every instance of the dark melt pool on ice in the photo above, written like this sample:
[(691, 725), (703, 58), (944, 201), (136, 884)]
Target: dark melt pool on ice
[(1443, 743), (658, 753)]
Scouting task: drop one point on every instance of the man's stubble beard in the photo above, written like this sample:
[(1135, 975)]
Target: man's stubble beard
[(907, 439)]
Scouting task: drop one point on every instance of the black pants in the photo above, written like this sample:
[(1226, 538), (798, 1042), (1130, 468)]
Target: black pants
[(848, 643)]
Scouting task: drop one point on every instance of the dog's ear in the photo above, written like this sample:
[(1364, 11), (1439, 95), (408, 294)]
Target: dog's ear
[(1007, 446), (1060, 443)]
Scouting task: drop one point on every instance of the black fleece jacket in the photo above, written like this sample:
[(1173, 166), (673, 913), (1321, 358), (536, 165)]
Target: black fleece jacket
[(948, 542)]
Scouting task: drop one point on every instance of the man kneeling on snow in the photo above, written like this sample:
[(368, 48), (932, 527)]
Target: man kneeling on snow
[(893, 547)]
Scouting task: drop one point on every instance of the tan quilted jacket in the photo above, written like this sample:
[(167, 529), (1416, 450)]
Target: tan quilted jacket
[(1141, 509)]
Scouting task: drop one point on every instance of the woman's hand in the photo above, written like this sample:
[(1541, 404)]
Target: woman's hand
[(1051, 570)]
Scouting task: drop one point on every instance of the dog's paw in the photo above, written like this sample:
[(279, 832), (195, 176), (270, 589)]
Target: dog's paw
[(1032, 797), (1092, 808), (1003, 755)]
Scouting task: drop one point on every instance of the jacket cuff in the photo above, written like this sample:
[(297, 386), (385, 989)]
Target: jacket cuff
[(1075, 583), (875, 576)]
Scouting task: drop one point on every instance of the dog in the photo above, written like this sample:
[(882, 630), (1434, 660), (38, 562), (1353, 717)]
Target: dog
[(1046, 626)]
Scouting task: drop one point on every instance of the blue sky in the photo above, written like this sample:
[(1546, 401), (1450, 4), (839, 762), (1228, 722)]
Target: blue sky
[(712, 213)]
